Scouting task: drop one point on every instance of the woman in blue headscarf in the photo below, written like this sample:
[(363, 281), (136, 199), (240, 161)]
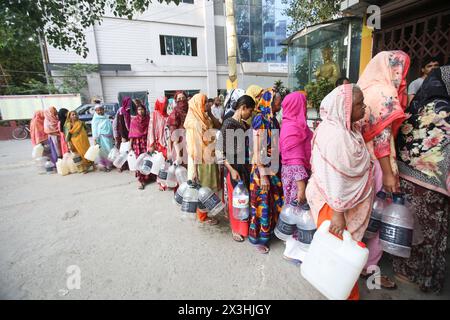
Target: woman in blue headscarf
[(102, 132)]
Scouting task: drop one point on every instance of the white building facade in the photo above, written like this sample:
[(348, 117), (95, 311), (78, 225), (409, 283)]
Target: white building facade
[(166, 48)]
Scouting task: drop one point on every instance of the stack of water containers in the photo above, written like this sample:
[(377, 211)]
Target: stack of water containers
[(397, 225)]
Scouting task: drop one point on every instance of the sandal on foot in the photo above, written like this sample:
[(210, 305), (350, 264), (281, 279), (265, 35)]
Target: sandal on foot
[(391, 286), (404, 279), (237, 237), (211, 221), (262, 249)]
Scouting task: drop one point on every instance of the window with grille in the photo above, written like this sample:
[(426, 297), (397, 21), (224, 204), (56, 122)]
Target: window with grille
[(178, 46)]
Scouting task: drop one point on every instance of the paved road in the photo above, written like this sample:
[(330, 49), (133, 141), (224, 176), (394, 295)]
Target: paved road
[(128, 244)]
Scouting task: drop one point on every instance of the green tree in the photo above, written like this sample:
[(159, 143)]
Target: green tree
[(20, 59), (308, 12), (63, 21)]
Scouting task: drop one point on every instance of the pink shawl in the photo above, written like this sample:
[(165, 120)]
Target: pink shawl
[(383, 83), (139, 126), (51, 121), (37, 128), (295, 136), (157, 128), (341, 165)]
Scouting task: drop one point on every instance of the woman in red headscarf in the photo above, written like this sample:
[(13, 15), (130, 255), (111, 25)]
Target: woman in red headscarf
[(138, 138), (157, 139)]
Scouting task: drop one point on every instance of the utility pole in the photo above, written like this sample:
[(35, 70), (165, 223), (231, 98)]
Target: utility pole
[(232, 82), (44, 61)]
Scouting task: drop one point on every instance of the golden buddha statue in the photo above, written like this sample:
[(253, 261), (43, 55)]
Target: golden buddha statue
[(330, 70)]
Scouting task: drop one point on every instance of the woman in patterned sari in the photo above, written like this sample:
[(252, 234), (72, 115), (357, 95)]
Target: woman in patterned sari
[(266, 191), (423, 146), (77, 138), (383, 83)]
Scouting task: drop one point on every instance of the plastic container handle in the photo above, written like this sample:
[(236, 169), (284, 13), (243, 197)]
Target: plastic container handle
[(325, 228)]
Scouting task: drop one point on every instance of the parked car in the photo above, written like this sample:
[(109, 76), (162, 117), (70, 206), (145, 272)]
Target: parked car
[(86, 113)]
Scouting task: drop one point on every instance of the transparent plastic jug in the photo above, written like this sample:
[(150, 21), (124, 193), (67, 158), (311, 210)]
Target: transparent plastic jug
[(379, 204), (190, 201), (397, 225), (287, 221), (332, 265), (113, 154), (181, 174), (171, 176), (144, 163), (40, 164), (163, 173), (120, 160), (78, 160), (132, 161), (241, 202), (49, 167), (92, 153), (68, 158), (178, 196), (62, 168), (210, 201), (38, 151), (306, 227), (158, 161)]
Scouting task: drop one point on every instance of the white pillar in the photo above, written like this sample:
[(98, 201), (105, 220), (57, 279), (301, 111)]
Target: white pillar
[(210, 49)]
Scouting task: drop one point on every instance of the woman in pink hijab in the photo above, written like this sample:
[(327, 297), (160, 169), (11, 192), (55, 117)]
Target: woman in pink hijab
[(51, 128), (138, 138), (295, 147)]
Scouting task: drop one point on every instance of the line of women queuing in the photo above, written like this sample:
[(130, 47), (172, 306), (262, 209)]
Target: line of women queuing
[(61, 132), (369, 140), (366, 142)]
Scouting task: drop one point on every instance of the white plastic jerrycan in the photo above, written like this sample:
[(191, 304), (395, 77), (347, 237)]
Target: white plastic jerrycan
[(38, 151), (62, 168), (132, 161), (92, 153), (333, 265)]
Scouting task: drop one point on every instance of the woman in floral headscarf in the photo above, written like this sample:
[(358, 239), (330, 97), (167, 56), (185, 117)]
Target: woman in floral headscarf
[(266, 191), (158, 135), (423, 145), (383, 83)]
